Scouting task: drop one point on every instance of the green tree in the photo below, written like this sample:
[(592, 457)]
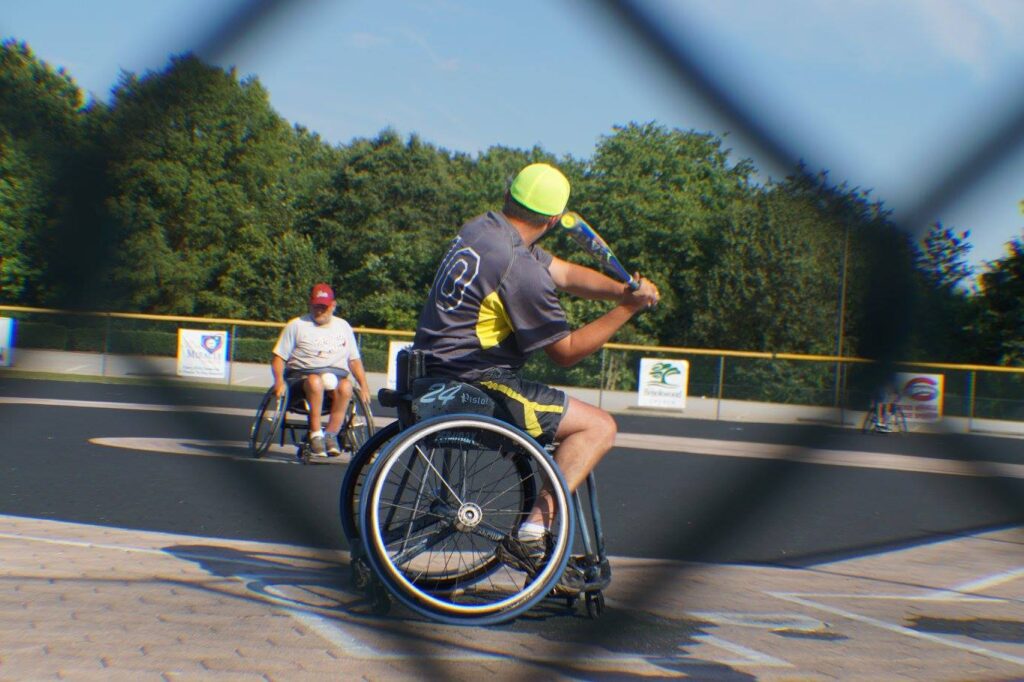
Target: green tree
[(40, 138), (391, 209), (656, 195), (1002, 292), (943, 257), (947, 322), (203, 196), (23, 202)]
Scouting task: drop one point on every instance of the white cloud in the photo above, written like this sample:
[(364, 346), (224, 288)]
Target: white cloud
[(365, 41), (982, 35), (439, 62), (908, 36)]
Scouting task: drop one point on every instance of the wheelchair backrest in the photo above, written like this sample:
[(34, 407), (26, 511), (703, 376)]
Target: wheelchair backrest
[(432, 397)]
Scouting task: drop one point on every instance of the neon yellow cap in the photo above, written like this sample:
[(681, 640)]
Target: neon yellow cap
[(541, 188)]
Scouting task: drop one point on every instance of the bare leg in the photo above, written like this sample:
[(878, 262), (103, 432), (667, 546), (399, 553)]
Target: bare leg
[(341, 397), (585, 434), (313, 386)]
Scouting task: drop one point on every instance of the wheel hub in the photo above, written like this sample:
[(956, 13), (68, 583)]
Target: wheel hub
[(468, 516)]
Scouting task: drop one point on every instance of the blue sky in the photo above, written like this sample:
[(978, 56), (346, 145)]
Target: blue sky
[(882, 93)]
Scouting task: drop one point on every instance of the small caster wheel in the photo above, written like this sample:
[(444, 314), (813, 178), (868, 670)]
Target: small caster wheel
[(302, 454), (380, 600), (595, 604)]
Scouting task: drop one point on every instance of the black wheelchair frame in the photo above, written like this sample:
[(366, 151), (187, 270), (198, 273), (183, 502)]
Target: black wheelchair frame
[(287, 417), (423, 516), (896, 422)]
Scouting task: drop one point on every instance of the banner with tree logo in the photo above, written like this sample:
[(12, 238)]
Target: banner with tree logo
[(662, 383)]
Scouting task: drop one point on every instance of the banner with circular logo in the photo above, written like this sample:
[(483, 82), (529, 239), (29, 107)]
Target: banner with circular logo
[(6, 341), (920, 396), (202, 353)]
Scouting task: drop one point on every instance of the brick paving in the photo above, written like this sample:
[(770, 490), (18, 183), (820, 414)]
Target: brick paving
[(87, 602)]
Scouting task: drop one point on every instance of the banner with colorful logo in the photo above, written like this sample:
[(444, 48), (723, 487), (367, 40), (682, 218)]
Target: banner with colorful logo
[(202, 353), (6, 341), (393, 348), (920, 396), (663, 383)]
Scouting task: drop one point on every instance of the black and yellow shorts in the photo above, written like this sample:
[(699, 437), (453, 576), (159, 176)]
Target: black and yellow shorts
[(534, 407)]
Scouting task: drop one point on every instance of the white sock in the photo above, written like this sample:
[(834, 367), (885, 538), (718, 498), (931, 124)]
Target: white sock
[(531, 531)]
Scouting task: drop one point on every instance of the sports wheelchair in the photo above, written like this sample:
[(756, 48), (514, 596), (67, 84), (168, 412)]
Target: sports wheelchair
[(287, 417), (894, 419), (426, 501)]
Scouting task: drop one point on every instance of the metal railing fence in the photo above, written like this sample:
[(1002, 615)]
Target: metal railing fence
[(971, 391)]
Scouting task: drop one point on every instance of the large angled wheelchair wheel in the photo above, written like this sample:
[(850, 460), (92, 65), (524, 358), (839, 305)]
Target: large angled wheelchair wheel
[(437, 502), (358, 425), (269, 417), (355, 475)]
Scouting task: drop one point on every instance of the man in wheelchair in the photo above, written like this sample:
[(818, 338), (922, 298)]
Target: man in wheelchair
[(493, 302), (319, 351)]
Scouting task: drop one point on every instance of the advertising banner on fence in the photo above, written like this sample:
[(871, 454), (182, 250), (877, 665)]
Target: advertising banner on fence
[(920, 396), (202, 353), (663, 383), (393, 348), (6, 341)]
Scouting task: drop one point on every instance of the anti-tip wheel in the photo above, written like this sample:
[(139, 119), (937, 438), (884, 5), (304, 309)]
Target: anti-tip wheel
[(595, 604)]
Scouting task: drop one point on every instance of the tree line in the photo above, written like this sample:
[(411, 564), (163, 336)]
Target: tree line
[(188, 194)]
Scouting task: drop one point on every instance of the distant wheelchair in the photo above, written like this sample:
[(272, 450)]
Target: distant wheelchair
[(427, 500), (285, 419), (894, 420)]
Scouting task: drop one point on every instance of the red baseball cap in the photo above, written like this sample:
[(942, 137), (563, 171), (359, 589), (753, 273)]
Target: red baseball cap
[(321, 294)]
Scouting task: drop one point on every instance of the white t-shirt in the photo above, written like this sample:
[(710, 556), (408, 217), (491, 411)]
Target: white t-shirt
[(304, 344)]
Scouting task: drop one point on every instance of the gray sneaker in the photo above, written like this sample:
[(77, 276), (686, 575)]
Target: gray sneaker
[(333, 448), (316, 444), (524, 555), (529, 556)]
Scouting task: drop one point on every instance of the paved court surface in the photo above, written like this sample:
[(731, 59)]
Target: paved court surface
[(89, 602)]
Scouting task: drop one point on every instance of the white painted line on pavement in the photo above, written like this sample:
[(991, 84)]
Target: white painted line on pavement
[(675, 444), (994, 580), (846, 458), (799, 598), (140, 407), (766, 621), (750, 656)]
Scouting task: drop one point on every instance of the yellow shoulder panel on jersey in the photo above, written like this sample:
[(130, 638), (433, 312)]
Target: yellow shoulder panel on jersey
[(492, 323)]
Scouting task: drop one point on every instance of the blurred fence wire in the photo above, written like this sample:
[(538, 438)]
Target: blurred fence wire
[(642, 23)]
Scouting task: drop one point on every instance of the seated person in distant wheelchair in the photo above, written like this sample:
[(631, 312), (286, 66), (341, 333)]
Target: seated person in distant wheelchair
[(319, 351), (886, 398), (493, 303)]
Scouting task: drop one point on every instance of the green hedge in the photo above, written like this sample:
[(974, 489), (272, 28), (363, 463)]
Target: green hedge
[(43, 335), (253, 350)]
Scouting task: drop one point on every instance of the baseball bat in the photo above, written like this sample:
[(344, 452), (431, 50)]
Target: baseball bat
[(586, 236)]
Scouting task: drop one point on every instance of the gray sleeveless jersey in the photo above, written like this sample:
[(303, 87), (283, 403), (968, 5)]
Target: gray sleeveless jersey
[(492, 303)]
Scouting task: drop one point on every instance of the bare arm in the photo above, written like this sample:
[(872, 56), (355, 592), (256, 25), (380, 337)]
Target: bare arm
[(584, 282), (356, 367), (277, 367), (569, 350)]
